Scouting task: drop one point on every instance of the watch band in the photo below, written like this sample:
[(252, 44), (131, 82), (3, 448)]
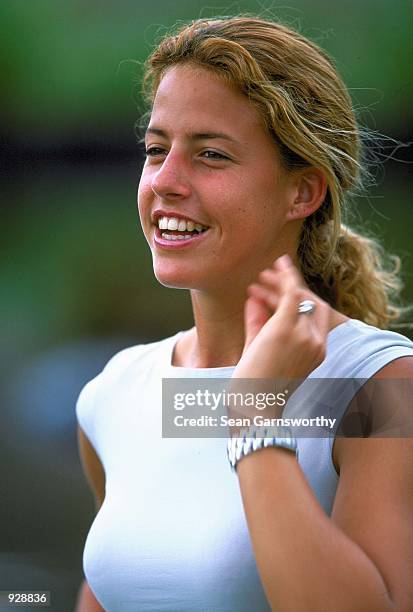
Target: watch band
[(255, 438)]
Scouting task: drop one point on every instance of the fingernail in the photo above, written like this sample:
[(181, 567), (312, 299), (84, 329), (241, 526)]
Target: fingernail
[(284, 261)]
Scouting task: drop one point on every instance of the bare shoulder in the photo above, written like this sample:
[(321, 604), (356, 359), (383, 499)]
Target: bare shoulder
[(374, 499), (92, 467)]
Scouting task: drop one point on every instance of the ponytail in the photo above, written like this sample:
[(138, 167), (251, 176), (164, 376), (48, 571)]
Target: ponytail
[(352, 273)]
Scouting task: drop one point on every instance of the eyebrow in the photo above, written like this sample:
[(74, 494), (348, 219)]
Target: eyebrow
[(195, 135)]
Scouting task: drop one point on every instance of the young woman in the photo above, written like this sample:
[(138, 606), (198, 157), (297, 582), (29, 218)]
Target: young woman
[(252, 149)]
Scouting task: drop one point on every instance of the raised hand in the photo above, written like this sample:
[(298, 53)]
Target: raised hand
[(280, 342)]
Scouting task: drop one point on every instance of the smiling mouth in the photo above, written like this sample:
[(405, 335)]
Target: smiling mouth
[(178, 228), (176, 237), (179, 235)]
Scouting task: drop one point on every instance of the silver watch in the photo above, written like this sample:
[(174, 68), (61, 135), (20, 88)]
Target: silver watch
[(254, 438)]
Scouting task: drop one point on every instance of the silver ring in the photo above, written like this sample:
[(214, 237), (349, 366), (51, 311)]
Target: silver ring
[(306, 307)]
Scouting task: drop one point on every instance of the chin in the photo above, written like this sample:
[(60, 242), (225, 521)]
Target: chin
[(172, 284), (178, 275), (174, 279)]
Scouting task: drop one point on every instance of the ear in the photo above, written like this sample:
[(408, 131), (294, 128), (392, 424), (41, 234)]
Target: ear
[(310, 189)]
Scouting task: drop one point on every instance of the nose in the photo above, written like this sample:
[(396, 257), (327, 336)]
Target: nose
[(171, 181)]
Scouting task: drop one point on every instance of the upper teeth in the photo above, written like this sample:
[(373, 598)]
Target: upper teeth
[(172, 223)]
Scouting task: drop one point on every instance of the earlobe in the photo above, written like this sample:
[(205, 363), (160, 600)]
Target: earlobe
[(310, 193)]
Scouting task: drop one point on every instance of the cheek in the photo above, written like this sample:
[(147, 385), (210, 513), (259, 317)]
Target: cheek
[(143, 208), (143, 196)]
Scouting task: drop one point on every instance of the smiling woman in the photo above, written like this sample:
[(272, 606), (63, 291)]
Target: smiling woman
[(229, 181), (252, 150)]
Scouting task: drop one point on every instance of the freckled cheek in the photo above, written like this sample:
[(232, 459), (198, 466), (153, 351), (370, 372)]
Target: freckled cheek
[(145, 223), (227, 196), (144, 197)]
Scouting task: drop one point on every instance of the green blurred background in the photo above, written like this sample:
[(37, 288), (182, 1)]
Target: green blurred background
[(76, 277)]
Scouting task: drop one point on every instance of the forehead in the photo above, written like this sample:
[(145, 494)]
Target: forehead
[(196, 96)]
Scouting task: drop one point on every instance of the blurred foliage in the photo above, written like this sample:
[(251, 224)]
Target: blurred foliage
[(62, 61)]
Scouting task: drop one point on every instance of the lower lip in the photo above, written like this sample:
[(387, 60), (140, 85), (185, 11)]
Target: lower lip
[(177, 244)]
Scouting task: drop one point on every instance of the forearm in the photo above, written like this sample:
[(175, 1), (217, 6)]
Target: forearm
[(306, 562), (86, 601)]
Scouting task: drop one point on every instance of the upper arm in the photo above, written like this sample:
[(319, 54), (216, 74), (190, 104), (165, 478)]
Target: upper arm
[(92, 467), (374, 500)]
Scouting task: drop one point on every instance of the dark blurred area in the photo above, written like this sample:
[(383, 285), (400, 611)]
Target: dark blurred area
[(76, 276)]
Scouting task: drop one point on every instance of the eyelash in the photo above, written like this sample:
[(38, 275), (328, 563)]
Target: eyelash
[(217, 156)]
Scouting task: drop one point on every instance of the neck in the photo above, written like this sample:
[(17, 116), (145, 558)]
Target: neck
[(217, 340)]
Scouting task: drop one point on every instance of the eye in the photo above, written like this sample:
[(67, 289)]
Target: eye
[(154, 151), (214, 155)]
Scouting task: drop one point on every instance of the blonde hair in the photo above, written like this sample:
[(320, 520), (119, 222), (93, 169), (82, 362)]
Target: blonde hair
[(307, 110)]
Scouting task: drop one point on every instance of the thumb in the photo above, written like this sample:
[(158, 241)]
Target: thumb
[(256, 314)]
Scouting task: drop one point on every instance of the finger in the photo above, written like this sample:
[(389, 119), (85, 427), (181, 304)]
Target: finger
[(279, 278), (313, 330), (313, 326), (284, 263), (262, 292), (255, 316), (278, 281), (270, 277), (287, 314), (290, 293), (272, 285), (273, 274), (319, 319)]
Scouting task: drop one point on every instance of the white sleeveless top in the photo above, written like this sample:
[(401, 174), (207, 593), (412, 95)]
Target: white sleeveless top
[(171, 533)]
